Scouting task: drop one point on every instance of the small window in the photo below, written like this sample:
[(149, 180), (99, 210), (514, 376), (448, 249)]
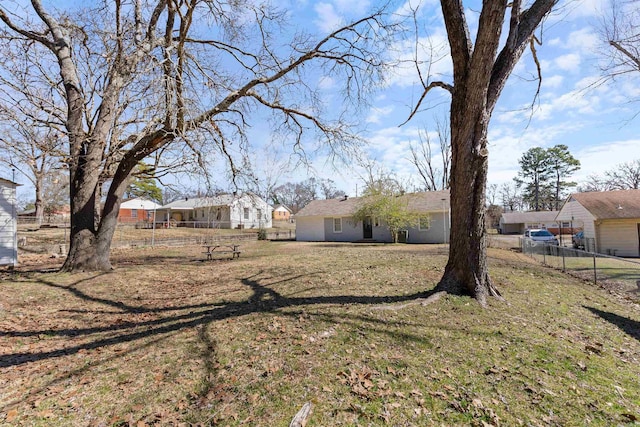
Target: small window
[(376, 222), (565, 224), (134, 213), (246, 213), (424, 223), (337, 225), (259, 213)]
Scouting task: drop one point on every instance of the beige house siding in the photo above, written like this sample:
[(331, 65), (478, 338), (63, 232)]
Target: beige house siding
[(618, 237), (575, 213)]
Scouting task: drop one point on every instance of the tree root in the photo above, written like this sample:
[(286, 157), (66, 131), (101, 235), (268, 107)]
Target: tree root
[(422, 301)]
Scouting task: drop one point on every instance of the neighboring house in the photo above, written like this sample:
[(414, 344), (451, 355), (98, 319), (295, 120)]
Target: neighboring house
[(610, 220), (519, 222), (137, 210), (281, 213), (59, 214), (8, 223), (331, 220), (224, 211)]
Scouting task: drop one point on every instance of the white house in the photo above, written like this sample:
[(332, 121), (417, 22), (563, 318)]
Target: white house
[(518, 222), (8, 223), (331, 220), (610, 220), (224, 211)]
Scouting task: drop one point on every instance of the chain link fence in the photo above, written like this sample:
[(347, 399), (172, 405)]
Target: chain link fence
[(620, 272)]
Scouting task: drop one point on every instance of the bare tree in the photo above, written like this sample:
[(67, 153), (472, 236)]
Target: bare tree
[(480, 71), (594, 182), (35, 151), (433, 177), (625, 176), (620, 32), (510, 196), (492, 193), (136, 77)]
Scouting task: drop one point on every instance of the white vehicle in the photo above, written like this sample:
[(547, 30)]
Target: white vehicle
[(538, 235)]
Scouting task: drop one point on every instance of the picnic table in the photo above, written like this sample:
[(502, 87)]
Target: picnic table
[(222, 248)]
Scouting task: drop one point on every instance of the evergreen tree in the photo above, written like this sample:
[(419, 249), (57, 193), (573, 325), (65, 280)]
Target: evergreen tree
[(535, 172), (562, 165)]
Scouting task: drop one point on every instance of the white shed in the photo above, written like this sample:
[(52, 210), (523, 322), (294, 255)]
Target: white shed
[(8, 223)]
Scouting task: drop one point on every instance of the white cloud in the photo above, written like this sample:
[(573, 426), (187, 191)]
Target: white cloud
[(433, 57), (569, 62), (352, 7), (605, 156), (326, 83), (376, 114), (552, 82), (583, 40), (328, 20)]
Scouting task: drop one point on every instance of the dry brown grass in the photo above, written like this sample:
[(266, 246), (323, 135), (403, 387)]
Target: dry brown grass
[(168, 338)]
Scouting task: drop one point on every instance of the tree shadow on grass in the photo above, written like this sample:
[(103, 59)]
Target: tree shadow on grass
[(262, 300), (629, 326)]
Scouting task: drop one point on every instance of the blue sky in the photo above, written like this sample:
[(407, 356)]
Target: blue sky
[(594, 121)]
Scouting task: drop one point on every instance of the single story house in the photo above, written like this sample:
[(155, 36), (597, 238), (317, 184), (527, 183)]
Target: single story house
[(519, 222), (281, 213), (8, 223), (223, 211), (610, 220), (57, 214), (331, 220), (137, 210)]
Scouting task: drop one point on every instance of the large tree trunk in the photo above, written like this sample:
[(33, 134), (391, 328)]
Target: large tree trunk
[(92, 225), (85, 247), (479, 75), (467, 272)]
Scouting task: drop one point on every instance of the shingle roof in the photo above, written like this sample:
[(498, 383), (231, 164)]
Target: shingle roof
[(617, 204), (198, 202), (7, 181), (426, 201), (276, 207), (524, 217)]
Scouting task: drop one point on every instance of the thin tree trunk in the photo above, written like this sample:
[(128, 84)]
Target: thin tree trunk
[(39, 205)]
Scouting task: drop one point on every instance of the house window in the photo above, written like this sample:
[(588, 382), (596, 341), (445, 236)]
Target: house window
[(246, 213), (134, 213), (259, 213), (376, 222), (337, 225), (424, 223), (566, 224)]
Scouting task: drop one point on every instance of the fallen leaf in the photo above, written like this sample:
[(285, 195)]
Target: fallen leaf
[(11, 415)]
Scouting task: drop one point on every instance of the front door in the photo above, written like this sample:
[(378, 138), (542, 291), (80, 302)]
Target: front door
[(367, 229)]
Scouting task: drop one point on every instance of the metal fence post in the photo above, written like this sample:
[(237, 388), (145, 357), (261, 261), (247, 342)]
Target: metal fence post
[(595, 273), (564, 267)]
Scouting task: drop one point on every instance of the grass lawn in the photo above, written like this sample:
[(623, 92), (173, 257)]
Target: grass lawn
[(170, 339)]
